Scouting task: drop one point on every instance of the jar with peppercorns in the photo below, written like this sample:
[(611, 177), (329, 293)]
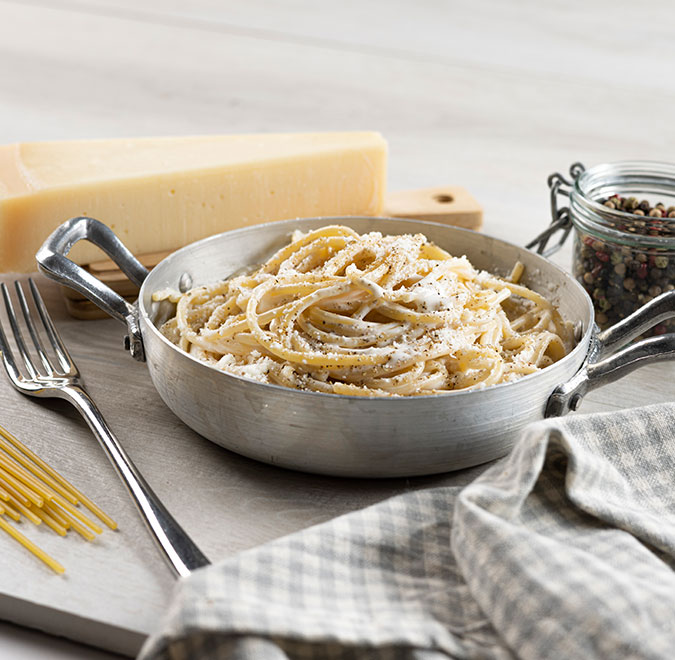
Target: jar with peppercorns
[(624, 243)]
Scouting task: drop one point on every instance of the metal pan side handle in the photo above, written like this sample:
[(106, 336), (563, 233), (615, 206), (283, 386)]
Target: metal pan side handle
[(599, 370), (53, 262), (650, 314)]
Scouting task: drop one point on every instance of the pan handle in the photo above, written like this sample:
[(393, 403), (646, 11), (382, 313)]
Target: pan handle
[(599, 370), (54, 263)]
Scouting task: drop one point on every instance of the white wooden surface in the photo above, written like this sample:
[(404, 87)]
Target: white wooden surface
[(489, 95)]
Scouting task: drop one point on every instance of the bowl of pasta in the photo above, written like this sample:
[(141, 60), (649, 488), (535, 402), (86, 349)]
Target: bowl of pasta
[(360, 346)]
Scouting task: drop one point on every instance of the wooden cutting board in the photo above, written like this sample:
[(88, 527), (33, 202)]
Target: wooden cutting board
[(451, 205)]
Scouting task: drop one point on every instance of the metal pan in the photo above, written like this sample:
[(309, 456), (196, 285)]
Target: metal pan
[(348, 435)]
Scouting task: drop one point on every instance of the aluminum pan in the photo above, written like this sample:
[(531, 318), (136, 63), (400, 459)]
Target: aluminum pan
[(348, 435)]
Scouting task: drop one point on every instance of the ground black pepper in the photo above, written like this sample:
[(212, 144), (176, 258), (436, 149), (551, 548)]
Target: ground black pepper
[(621, 278)]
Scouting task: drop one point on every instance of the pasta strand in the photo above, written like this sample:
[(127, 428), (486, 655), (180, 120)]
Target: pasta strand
[(369, 315)]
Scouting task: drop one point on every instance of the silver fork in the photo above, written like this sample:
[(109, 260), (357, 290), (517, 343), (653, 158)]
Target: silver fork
[(61, 379)]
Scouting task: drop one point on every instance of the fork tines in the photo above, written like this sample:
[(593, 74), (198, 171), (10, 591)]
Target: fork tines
[(57, 365)]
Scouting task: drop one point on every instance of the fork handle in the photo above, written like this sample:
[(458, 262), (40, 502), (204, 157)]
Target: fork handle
[(177, 547)]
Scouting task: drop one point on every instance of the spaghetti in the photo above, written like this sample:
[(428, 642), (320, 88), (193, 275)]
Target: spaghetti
[(31, 488), (373, 315)]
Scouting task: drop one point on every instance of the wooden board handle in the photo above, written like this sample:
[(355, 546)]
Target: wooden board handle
[(449, 204)]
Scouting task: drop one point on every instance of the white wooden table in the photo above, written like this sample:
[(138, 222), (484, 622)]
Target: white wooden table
[(490, 95)]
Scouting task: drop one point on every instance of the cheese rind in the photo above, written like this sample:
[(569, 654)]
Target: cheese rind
[(160, 194)]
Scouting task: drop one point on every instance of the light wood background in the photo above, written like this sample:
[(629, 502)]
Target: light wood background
[(490, 95)]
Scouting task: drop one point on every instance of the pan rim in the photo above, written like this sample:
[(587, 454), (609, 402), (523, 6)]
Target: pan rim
[(582, 345)]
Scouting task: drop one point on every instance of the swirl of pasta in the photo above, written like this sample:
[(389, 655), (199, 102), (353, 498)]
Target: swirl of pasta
[(372, 315)]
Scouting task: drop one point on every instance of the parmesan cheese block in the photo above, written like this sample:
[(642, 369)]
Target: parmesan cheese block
[(162, 193)]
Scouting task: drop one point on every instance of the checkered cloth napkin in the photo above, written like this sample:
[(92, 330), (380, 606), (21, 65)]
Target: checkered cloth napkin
[(564, 549)]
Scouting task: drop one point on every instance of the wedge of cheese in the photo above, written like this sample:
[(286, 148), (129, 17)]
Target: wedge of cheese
[(162, 193)]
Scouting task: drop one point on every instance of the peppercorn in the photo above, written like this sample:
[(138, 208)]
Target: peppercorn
[(655, 274), (661, 261), (655, 213), (614, 293), (629, 284)]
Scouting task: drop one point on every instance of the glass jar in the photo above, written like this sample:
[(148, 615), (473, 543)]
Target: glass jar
[(623, 257)]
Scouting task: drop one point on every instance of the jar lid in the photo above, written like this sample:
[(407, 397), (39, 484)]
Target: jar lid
[(643, 180)]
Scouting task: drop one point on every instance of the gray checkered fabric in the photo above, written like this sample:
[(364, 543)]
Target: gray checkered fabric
[(564, 549)]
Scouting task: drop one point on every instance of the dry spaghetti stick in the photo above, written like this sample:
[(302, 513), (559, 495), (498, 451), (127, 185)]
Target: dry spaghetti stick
[(49, 521), (14, 493), (37, 471), (4, 495), (50, 507), (26, 477), (73, 495), (11, 511), (75, 513), (97, 511), (21, 487), (25, 510), (13, 468), (29, 545), (78, 527), (39, 462)]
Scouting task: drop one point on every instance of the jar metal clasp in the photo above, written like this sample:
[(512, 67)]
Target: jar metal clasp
[(561, 222)]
